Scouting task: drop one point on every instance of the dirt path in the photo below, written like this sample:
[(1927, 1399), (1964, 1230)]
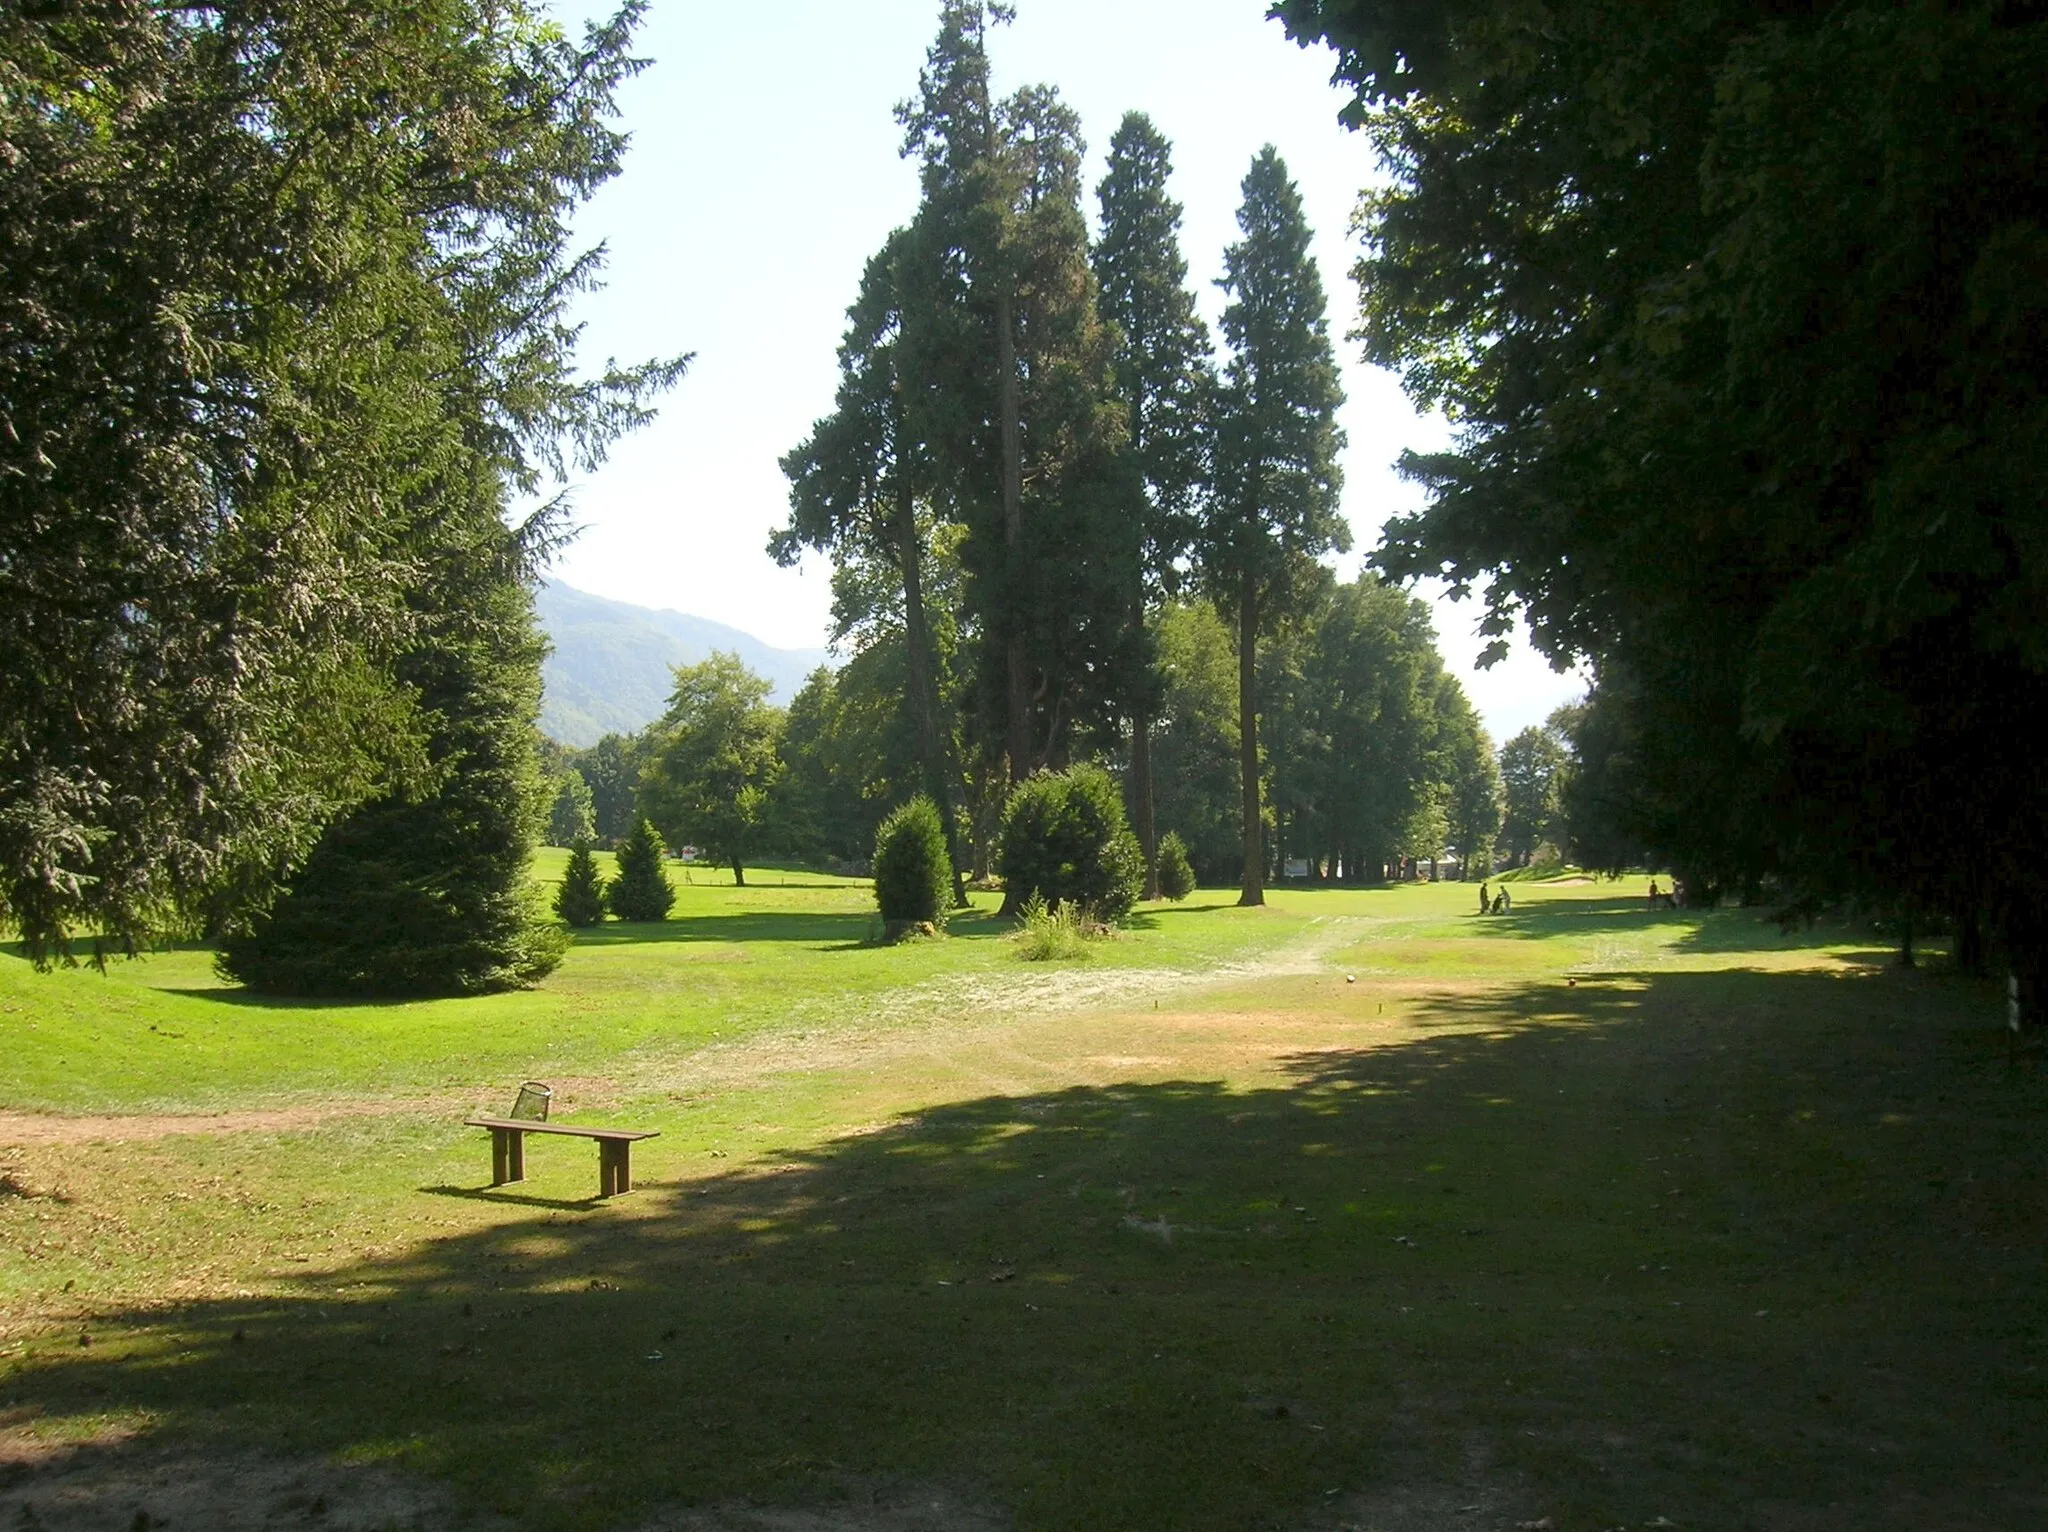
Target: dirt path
[(42, 1128), (968, 1008)]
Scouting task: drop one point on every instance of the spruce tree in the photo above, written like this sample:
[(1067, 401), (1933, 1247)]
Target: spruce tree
[(641, 890), (1165, 379), (1274, 511), (423, 891), (580, 899)]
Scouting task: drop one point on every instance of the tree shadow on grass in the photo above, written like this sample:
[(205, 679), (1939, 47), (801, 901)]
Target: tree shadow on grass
[(1734, 1248), (1701, 931)]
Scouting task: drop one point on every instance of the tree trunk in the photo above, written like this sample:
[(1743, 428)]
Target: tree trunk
[(924, 688), (1253, 890), (1970, 944), (1017, 673), (1018, 678), (739, 874), (1141, 801)]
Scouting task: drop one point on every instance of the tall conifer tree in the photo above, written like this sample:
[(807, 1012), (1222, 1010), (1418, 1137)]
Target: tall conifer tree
[(860, 487), (1164, 377), (1008, 367), (1277, 479)]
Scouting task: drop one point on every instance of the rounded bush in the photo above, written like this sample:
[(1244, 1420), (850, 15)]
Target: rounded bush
[(1176, 875), (1065, 840), (913, 878)]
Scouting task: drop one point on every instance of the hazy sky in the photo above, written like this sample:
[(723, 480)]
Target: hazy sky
[(765, 170)]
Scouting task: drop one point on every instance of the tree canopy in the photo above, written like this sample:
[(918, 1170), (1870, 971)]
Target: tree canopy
[(1738, 309), (285, 279)]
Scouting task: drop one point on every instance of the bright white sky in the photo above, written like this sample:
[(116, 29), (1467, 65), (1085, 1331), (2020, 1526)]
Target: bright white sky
[(765, 170)]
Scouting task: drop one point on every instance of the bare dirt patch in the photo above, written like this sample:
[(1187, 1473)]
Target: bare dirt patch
[(119, 1486), (865, 1511), (43, 1129)]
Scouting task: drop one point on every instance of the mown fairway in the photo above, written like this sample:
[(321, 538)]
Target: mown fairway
[(1356, 1211)]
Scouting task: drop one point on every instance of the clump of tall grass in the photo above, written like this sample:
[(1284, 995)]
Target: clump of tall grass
[(1046, 934)]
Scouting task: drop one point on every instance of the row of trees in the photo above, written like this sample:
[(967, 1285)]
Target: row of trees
[(1371, 757), (1034, 424), (1740, 311)]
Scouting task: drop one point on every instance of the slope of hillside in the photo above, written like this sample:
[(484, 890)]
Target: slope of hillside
[(610, 668)]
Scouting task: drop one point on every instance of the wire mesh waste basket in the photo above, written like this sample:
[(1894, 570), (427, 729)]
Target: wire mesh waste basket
[(532, 1103)]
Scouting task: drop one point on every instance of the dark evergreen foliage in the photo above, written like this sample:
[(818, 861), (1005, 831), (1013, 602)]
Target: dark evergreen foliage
[(580, 900), (1274, 510), (274, 276), (641, 890), (1176, 876), (1006, 370), (423, 892), (1066, 840), (913, 873), (1166, 381)]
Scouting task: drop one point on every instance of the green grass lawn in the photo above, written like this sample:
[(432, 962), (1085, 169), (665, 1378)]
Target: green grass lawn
[(1359, 1210)]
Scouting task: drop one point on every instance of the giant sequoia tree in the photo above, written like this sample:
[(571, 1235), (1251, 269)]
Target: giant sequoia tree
[(861, 489), (283, 281), (1274, 511), (1164, 377), (1006, 365), (1740, 310)]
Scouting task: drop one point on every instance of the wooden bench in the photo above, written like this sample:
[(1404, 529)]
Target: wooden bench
[(508, 1150)]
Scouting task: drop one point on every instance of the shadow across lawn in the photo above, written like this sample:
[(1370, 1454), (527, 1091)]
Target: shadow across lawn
[(1701, 931), (1733, 1249)]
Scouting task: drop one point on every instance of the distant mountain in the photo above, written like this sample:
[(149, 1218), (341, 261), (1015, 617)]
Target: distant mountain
[(610, 672)]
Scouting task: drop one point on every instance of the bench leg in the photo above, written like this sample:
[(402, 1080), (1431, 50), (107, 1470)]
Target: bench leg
[(508, 1156), (614, 1166)]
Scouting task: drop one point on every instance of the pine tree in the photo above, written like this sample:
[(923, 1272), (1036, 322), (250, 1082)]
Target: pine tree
[(274, 277), (580, 899), (1164, 377), (1277, 479), (641, 890)]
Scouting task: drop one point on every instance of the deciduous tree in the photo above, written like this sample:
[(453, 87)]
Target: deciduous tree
[(714, 760)]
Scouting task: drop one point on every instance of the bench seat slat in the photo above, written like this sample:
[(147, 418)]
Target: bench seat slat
[(525, 1125)]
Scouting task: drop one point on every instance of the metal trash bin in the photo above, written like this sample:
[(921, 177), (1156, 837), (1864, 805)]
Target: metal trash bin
[(532, 1103)]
